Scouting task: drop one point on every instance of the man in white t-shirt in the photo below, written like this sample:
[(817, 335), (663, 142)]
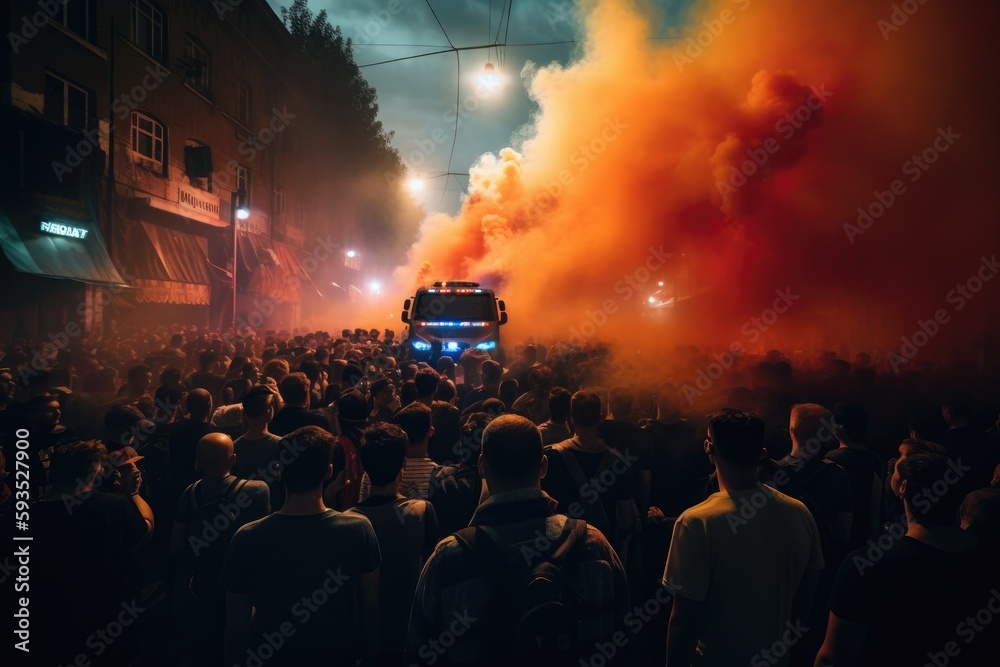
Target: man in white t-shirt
[(744, 563)]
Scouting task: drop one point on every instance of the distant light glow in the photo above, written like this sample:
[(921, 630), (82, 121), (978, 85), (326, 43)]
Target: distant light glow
[(375, 285), (451, 346), (352, 253), (415, 184), (242, 213), (652, 299), (422, 346), (488, 345), (660, 283), (490, 78)]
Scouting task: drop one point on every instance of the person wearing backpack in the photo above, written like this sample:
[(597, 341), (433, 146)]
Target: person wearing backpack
[(522, 585), (825, 489), (209, 513), (593, 481)]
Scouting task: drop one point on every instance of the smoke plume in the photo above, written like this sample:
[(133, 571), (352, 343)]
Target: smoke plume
[(730, 162)]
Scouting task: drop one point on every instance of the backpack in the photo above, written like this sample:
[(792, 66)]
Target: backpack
[(593, 511), (205, 547), (534, 620)]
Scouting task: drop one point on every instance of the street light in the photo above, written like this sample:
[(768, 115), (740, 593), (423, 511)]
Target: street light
[(239, 211), (489, 79), (415, 184), (352, 254)]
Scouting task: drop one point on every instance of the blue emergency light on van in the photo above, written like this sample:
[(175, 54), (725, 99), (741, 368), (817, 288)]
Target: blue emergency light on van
[(450, 317)]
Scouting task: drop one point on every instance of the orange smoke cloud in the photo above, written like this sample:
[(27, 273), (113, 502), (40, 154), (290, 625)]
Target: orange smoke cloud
[(730, 163)]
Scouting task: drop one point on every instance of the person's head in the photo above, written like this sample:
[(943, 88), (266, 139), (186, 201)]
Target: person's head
[(206, 361), (493, 406), (620, 402), (407, 393), (445, 392), (139, 378), (980, 515), (511, 455), (351, 374), (958, 409), (415, 420), (177, 340), (850, 422), (491, 371), (508, 392), (383, 450), (559, 403), (736, 438), (809, 426), (920, 446), (215, 455), (383, 392), (446, 366), (352, 410), (294, 390), (529, 354), (199, 404), (77, 464), (43, 413), (446, 422), (120, 419), (585, 410), (258, 405), (540, 379), (305, 456), (276, 369), (426, 382), (927, 484), (171, 377)]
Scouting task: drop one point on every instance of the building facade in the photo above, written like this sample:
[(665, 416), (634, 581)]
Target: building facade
[(133, 131)]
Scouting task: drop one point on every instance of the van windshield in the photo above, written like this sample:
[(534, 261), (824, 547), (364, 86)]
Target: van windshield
[(463, 307)]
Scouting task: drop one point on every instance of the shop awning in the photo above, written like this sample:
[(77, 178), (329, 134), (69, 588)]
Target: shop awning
[(172, 267), (275, 271), (58, 246)]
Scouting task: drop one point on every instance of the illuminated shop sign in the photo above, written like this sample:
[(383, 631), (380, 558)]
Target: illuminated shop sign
[(60, 229)]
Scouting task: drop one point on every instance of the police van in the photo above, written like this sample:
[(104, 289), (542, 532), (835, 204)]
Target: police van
[(451, 317)]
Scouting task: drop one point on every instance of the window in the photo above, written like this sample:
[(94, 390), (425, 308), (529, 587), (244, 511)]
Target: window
[(74, 15), (196, 62), (68, 104), (198, 164), (243, 182), (147, 140), (243, 103), (279, 202), (147, 29)]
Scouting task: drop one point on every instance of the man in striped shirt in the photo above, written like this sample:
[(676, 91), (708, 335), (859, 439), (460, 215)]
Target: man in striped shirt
[(415, 420)]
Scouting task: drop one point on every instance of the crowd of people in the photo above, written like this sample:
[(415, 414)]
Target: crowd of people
[(195, 498)]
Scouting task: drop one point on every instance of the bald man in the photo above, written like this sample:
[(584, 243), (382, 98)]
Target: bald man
[(184, 438), (209, 513)]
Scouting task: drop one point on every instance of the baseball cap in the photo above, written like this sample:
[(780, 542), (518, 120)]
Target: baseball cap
[(124, 456)]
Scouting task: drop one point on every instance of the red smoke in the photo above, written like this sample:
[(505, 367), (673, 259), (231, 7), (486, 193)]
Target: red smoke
[(743, 147)]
